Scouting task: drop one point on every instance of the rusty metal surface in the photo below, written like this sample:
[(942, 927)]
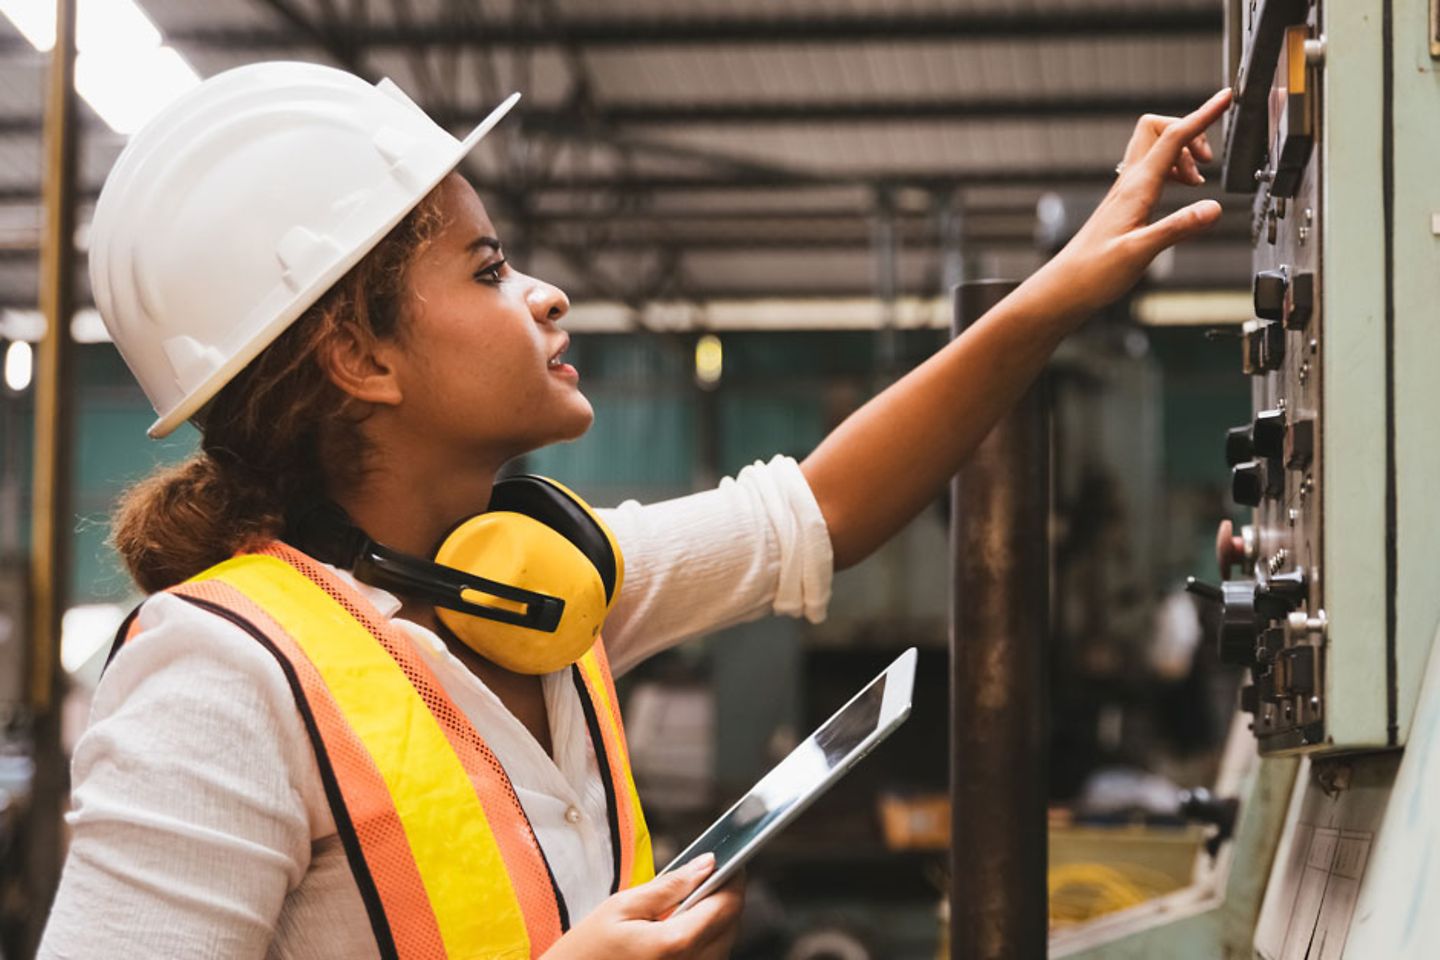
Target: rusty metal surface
[(999, 698)]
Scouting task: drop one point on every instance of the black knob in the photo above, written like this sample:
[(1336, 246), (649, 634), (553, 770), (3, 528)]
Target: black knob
[(1272, 346), (1302, 300), (1281, 593), (1238, 447), (1300, 444), (1270, 294), (1267, 434), (1247, 483), (1239, 626)]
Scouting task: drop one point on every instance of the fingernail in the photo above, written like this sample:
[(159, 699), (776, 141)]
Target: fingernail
[(703, 862)]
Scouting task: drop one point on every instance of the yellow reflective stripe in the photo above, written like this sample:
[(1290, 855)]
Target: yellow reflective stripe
[(642, 866), (455, 852)]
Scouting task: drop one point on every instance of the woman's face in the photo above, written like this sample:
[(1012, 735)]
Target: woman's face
[(477, 355)]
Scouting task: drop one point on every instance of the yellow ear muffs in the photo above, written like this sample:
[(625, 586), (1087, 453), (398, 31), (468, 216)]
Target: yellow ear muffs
[(537, 536)]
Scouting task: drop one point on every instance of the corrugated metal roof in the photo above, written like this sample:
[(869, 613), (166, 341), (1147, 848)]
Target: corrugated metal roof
[(668, 121)]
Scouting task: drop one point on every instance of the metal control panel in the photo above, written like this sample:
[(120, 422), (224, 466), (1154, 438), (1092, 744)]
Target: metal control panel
[(1311, 595)]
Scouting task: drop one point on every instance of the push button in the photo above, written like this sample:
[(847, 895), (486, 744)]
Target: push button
[(1267, 435), (1270, 294), (1300, 300), (1300, 444), (1247, 483), (1238, 446)]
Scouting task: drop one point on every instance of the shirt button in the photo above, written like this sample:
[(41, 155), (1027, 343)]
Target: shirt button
[(572, 815)]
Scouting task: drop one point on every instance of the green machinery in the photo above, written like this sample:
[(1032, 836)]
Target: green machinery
[(1331, 595)]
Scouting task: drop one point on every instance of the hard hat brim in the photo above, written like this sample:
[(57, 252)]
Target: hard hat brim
[(193, 401)]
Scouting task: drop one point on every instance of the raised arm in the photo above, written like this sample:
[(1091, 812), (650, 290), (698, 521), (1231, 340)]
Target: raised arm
[(880, 467)]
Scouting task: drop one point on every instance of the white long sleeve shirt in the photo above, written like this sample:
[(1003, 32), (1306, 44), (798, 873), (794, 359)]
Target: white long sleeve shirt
[(200, 825)]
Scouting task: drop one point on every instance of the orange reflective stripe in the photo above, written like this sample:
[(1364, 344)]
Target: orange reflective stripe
[(636, 861), (365, 817), (524, 860), (418, 904), (644, 865)]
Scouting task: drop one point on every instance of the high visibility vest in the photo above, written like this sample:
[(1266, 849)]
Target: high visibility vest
[(444, 855)]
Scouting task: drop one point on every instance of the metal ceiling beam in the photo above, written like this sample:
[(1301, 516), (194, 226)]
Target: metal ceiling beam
[(1124, 105), (1058, 178), (565, 121), (921, 179), (710, 31)]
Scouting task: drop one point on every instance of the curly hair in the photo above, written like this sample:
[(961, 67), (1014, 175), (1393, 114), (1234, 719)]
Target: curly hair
[(278, 433)]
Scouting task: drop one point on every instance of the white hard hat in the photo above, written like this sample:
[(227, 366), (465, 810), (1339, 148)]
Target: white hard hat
[(240, 204)]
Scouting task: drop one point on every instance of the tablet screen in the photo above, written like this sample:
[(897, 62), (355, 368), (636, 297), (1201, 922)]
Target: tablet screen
[(792, 780)]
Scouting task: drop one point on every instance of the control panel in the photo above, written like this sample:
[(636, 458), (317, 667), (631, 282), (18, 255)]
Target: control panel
[(1271, 594), (1308, 596)]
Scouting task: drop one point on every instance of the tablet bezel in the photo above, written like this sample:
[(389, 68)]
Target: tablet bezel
[(899, 679)]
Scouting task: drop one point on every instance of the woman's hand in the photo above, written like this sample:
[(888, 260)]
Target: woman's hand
[(635, 924), (1117, 243)]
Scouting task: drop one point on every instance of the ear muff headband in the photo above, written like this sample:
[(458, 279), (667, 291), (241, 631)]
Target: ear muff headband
[(326, 533), (443, 586)]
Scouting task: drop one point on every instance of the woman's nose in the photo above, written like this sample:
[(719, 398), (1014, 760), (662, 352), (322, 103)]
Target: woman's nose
[(548, 302)]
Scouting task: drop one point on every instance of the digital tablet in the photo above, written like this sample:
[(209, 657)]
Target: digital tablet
[(824, 757)]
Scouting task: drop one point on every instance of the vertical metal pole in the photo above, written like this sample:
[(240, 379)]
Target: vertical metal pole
[(998, 692), (50, 486)]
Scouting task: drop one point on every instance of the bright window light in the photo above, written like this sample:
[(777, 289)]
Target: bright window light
[(19, 365), (35, 19), (122, 69), (127, 88), (102, 24)]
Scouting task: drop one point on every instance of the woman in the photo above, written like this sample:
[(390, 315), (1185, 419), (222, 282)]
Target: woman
[(260, 773)]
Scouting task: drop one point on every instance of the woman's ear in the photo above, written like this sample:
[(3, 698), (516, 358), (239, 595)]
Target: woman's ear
[(362, 367)]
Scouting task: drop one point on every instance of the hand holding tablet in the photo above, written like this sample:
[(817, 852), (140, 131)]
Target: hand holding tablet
[(820, 760)]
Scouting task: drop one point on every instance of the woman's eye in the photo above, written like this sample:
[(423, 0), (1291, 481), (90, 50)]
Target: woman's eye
[(491, 273)]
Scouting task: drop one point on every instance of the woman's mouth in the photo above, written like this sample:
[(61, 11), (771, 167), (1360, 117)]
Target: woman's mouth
[(557, 365)]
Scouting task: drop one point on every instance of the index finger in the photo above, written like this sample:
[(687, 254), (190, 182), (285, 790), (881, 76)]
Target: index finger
[(1166, 148), (709, 917)]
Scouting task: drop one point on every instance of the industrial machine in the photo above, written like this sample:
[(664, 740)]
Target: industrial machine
[(1330, 595)]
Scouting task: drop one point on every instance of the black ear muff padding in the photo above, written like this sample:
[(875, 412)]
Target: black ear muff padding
[(539, 498)]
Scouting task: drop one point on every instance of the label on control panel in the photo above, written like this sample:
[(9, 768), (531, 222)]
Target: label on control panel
[(1326, 893)]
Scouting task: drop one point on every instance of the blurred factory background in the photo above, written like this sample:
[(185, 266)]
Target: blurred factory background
[(759, 211)]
